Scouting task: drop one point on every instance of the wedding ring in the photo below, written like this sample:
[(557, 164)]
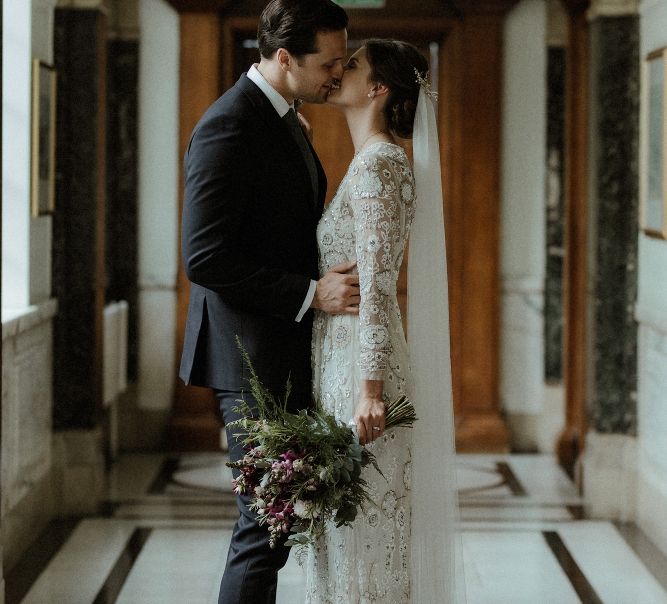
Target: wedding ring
[(377, 428)]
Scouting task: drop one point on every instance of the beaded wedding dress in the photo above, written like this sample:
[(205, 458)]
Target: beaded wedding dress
[(368, 221)]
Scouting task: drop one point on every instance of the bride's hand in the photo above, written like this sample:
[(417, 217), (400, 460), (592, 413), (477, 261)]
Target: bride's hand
[(368, 415)]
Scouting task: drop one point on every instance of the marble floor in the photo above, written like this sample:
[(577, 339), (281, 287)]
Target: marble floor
[(163, 534)]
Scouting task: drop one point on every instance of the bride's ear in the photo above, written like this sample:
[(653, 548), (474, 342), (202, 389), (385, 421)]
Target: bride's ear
[(380, 89)]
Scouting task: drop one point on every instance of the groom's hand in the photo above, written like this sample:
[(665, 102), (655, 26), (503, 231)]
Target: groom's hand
[(337, 292)]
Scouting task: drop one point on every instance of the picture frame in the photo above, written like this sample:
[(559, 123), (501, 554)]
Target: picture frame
[(43, 135), (653, 163)]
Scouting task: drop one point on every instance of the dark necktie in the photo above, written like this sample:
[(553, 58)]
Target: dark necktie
[(300, 138)]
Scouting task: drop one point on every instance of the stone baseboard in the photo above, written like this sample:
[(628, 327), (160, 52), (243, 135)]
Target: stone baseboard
[(651, 505), (609, 473), (539, 431), (80, 477), (23, 523)]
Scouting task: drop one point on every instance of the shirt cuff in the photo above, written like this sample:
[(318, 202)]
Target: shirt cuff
[(308, 301)]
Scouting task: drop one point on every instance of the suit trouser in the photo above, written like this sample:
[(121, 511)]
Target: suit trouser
[(251, 573)]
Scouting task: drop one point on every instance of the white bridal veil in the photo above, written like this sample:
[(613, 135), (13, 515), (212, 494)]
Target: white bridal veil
[(436, 556)]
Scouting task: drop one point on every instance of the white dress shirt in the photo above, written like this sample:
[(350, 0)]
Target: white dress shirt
[(282, 107)]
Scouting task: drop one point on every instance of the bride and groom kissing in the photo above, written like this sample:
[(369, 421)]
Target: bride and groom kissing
[(311, 293)]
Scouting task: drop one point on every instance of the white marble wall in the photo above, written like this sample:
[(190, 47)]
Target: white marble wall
[(651, 313), (652, 424), (159, 175), (523, 218), (27, 406), (16, 59)]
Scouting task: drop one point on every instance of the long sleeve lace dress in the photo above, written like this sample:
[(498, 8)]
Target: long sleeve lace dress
[(368, 221)]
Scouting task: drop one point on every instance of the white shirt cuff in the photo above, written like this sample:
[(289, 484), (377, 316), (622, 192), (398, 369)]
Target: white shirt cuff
[(308, 301)]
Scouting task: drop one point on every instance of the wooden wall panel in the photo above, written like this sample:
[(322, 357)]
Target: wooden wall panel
[(194, 423), (571, 441), (474, 79)]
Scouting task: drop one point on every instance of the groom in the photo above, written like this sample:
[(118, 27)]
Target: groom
[(254, 192)]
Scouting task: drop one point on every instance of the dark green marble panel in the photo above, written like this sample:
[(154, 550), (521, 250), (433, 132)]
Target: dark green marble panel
[(74, 239), (121, 209), (555, 215), (615, 122)]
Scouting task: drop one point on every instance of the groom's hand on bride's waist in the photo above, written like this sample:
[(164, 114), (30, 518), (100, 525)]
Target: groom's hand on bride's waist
[(337, 292)]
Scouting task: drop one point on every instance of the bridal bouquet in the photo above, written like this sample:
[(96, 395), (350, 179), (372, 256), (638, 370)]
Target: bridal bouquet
[(303, 469)]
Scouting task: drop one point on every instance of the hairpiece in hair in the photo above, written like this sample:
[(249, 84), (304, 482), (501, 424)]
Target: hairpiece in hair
[(424, 82)]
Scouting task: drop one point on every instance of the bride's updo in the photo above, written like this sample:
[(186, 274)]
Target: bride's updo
[(393, 64)]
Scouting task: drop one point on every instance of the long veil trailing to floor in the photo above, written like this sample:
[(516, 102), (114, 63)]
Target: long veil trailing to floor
[(436, 556)]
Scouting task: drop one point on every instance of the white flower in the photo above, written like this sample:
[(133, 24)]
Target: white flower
[(303, 509), (297, 465), (259, 491)]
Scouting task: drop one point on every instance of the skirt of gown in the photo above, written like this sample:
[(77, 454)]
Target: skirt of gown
[(369, 561)]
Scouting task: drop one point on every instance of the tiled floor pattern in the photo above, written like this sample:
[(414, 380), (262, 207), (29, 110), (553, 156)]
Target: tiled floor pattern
[(166, 528)]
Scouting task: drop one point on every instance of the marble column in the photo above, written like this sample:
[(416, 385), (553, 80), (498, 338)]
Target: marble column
[(78, 225), (122, 162), (610, 458), (613, 186)]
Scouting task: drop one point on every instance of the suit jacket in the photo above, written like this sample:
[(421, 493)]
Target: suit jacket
[(249, 247)]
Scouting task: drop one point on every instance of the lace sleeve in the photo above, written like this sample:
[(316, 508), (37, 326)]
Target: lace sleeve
[(376, 210)]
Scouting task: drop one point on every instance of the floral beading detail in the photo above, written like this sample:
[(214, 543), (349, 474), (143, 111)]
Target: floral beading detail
[(368, 221)]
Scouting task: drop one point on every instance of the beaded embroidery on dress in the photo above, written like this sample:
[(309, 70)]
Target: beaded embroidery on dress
[(368, 220)]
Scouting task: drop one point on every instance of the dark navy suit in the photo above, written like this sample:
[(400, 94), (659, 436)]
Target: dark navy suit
[(250, 251)]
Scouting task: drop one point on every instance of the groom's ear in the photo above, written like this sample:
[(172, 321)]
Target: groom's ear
[(284, 59)]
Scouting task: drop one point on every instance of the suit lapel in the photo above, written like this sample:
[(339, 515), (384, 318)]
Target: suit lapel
[(277, 129)]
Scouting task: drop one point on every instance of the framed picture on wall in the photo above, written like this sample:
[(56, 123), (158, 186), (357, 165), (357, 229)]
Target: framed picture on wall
[(43, 162), (653, 163)]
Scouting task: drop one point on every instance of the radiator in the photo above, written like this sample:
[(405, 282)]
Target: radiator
[(115, 350)]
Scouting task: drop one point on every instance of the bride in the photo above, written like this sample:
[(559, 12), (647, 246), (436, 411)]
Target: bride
[(401, 549)]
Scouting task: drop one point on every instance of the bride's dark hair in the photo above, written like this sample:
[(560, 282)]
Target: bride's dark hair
[(393, 64)]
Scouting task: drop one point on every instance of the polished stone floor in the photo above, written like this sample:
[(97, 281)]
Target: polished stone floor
[(163, 535)]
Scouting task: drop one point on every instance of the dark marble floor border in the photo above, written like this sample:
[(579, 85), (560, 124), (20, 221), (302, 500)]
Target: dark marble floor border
[(119, 573), (168, 500), (510, 479), (164, 476), (650, 555), (232, 516), (36, 558), (574, 574)]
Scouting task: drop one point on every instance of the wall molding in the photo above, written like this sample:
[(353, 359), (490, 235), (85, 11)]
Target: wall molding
[(100, 5), (612, 8), (17, 321), (610, 460)]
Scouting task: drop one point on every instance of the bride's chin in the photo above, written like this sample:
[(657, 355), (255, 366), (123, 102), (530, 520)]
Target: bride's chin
[(334, 99)]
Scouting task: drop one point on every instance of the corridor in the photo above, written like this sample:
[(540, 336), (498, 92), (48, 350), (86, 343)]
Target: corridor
[(163, 537)]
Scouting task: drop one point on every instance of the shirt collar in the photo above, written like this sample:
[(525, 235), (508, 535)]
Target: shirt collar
[(276, 99)]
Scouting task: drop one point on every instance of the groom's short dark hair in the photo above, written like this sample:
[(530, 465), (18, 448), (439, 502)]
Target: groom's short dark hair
[(294, 25)]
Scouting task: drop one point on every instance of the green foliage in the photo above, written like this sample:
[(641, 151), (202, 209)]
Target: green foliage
[(303, 470)]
